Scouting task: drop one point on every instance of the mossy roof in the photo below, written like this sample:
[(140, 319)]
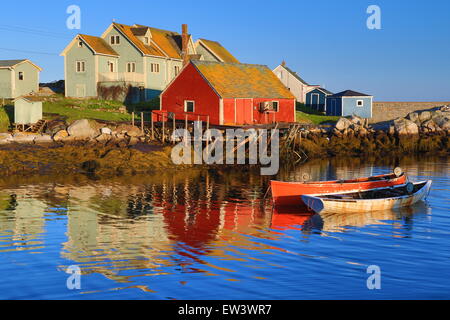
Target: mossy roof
[(98, 45), (235, 80), (219, 51)]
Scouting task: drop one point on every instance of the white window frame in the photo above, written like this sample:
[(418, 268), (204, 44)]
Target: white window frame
[(111, 63), (154, 67), (82, 65), (131, 67), (278, 106), (176, 70), (114, 40), (360, 105), (185, 106)]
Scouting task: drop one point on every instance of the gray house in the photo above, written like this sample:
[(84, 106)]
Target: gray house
[(129, 63), (293, 82), (348, 103), (18, 78)]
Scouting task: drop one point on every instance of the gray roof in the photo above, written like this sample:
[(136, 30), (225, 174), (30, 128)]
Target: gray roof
[(350, 93), (327, 92), (10, 63), (296, 75)]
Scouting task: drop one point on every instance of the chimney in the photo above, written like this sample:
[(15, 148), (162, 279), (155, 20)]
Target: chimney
[(185, 44), (283, 63)]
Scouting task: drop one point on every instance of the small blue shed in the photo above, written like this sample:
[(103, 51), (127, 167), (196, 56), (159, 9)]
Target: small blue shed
[(348, 103), (317, 99)]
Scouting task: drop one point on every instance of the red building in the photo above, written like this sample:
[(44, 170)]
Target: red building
[(229, 93)]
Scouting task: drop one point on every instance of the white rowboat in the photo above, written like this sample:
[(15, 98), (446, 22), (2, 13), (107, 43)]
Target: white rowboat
[(370, 200)]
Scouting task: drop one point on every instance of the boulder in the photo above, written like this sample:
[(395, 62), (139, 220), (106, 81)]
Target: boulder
[(44, 139), (60, 135), (106, 131), (343, 124), (357, 120), (104, 137), (424, 116), (129, 130), (413, 116), (443, 122), (5, 136), (82, 129), (406, 127), (54, 126), (430, 126), (23, 138)]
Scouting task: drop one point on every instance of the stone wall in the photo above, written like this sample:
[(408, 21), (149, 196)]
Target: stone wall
[(385, 111)]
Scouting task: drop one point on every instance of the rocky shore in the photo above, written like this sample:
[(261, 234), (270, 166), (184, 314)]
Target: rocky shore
[(424, 132)]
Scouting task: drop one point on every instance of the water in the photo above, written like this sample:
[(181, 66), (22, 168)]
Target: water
[(199, 235)]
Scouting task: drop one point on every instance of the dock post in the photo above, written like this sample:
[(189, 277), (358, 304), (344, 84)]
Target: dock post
[(153, 126), (174, 127), (142, 122), (163, 129), (132, 118)]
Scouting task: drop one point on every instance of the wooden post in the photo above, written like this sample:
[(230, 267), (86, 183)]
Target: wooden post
[(142, 122), (132, 118), (153, 126), (207, 136), (174, 127), (163, 129)]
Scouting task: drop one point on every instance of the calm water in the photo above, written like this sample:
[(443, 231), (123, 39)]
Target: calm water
[(211, 236)]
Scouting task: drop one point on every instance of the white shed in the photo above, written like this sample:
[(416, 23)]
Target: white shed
[(27, 110)]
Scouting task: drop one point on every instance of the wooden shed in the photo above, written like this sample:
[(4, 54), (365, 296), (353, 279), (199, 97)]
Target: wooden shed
[(27, 110), (229, 94)]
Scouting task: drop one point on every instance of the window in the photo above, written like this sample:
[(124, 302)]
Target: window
[(80, 66), (131, 67), (80, 44), (20, 75), (115, 39), (147, 40), (276, 106), (189, 106), (154, 67), (360, 103), (111, 66), (177, 70)]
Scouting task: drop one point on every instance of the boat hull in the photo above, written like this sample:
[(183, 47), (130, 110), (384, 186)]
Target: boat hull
[(286, 194), (322, 206)]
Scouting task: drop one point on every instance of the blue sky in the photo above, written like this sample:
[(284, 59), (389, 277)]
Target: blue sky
[(325, 41)]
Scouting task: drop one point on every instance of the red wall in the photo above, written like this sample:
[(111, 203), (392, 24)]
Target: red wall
[(286, 111), (190, 85)]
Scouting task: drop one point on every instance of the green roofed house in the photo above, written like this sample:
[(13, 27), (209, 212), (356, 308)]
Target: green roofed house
[(18, 78), (128, 63)]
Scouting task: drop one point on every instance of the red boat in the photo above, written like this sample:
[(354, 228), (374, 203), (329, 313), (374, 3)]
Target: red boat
[(289, 193)]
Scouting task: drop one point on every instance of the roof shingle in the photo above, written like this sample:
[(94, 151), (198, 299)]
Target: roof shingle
[(98, 45), (219, 51), (350, 93), (10, 63), (234, 80)]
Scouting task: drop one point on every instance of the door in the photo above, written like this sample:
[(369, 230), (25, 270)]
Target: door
[(315, 101), (244, 111), (80, 91)]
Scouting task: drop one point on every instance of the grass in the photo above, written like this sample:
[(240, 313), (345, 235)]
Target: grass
[(76, 109), (5, 118), (311, 116)]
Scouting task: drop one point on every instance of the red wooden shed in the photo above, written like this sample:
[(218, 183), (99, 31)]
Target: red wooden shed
[(229, 93)]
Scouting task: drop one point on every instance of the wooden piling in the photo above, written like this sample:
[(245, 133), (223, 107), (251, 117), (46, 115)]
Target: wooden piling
[(132, 118), (153, 126), (142, 122)]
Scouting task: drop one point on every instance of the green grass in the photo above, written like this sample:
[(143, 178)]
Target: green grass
[(75, 109), (4, 119), (312, 116)]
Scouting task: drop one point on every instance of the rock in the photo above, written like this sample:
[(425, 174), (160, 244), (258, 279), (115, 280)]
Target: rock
[(106, 131), (406, 127), (5, 136), (357, 120), (129, 130), (133, 141), (343, 124), (44, 139), (82, 129), (54, 126), (23, 138), (413, 116), (424, 116), (60, 135), (442, 122), (123, 109), (104, 137), (392, 130)]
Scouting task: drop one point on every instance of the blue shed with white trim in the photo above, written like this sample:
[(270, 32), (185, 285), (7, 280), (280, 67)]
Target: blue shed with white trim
[(348, 103), (317, 99)]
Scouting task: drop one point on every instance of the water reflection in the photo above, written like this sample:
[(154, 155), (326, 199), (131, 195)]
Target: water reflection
[(189, 222)]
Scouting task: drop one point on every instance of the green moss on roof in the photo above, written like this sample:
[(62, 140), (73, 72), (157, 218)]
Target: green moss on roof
[(235, 80)]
